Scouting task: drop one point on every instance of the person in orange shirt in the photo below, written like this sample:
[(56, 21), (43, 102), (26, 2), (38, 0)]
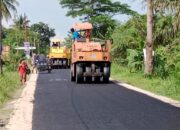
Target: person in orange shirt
[(22, 69)]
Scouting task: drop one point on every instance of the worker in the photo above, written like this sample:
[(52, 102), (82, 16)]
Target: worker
[(88, 35), (34, 62), (75, 34)]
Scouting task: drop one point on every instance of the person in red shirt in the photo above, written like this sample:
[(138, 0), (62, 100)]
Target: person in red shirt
[(22, 69)]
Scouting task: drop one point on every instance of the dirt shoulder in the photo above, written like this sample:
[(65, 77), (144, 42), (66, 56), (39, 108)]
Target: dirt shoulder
[(17, 114), (7, 109)]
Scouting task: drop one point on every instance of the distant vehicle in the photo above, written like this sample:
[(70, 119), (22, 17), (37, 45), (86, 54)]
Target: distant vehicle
[(91, 59), (59, 54), (43, 64)]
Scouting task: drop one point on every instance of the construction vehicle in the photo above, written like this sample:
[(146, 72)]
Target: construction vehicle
[(59, 54), (90, 59)]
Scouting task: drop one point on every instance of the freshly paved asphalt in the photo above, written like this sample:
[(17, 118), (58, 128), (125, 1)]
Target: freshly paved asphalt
[(63, 105)]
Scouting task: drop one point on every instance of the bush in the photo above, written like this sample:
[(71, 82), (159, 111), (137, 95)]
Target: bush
[(167, 60), (135, 60), (12, 62), (160, 66), (8, 85)]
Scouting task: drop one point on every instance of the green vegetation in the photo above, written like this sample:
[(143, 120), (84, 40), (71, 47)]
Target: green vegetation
[(8, 85), (15, 36), (44, 33), (166, 87), (128, 56), (99, 12), (129, 41), (161, 35), (37, 34), (6, 8)]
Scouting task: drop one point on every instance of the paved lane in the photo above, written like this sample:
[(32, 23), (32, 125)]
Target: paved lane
[(63, 105)]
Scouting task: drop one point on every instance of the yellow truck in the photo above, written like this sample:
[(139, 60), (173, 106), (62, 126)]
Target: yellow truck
[(59, 54)]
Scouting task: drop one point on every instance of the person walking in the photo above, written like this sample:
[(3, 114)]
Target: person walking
[(34, 62), (22, 69)]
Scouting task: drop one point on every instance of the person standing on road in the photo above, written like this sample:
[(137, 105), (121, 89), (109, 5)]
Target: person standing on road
[(22, 69), (34, 62)]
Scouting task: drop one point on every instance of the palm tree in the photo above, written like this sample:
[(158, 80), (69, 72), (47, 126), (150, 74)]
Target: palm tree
[(5, 7), (149, 41), (169, 8), (153, 6), (22, 23)]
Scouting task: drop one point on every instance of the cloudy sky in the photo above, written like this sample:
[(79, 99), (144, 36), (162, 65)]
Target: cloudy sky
[(50, 12)]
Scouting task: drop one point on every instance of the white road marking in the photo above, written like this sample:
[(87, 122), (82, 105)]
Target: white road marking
[(57, 80), (51, 80)]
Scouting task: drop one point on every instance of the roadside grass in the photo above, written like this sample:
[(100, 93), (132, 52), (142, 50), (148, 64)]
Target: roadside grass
[(9, 82), (167, 87)]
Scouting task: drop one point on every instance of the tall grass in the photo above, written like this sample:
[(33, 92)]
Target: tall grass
[(9, 82), (169, 87)]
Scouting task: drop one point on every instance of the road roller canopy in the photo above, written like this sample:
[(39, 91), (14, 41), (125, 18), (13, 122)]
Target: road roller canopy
[(56, 42), (83, 26)]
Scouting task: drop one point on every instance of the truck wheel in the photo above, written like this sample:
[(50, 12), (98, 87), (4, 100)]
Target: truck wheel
[(97, 79), (72, 78), (87, 79), (78, 79), (79, 72), (49, 71), (64, 64), (106, 71), (69, 63), (106, 79)]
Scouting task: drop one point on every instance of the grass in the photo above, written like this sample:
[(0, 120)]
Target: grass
[(168, 87), (9, 82)]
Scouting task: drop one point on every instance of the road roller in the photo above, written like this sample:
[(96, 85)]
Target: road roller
[(59, 54), (90, 58)]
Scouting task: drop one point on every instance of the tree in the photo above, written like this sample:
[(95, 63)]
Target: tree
[(45, 33), (149, 41), (166, 8), (164, 31), (99, 12), (68, 41), (5, 7), (128, 40), (34, 39), (167, 14), (21, 22), (13, 37)]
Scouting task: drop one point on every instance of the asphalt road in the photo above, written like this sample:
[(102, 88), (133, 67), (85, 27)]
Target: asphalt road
[(63, 105)]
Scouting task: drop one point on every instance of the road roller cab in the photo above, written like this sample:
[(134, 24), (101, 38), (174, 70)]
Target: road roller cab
[(59, 54), (91, 59)]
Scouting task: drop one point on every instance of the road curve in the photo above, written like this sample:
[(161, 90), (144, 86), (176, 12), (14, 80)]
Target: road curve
[(63, 105)]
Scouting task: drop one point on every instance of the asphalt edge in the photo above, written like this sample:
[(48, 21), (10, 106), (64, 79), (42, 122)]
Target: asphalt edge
[(164, 99)]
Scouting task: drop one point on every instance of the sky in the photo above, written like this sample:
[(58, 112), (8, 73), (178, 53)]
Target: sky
[(51, 12)]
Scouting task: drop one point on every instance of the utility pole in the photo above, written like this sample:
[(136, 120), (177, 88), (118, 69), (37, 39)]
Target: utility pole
[(38, 47), (1, 47), (1, 62)]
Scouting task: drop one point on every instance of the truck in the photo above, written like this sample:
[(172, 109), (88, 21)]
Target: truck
[(59, 54), (90, 59)]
